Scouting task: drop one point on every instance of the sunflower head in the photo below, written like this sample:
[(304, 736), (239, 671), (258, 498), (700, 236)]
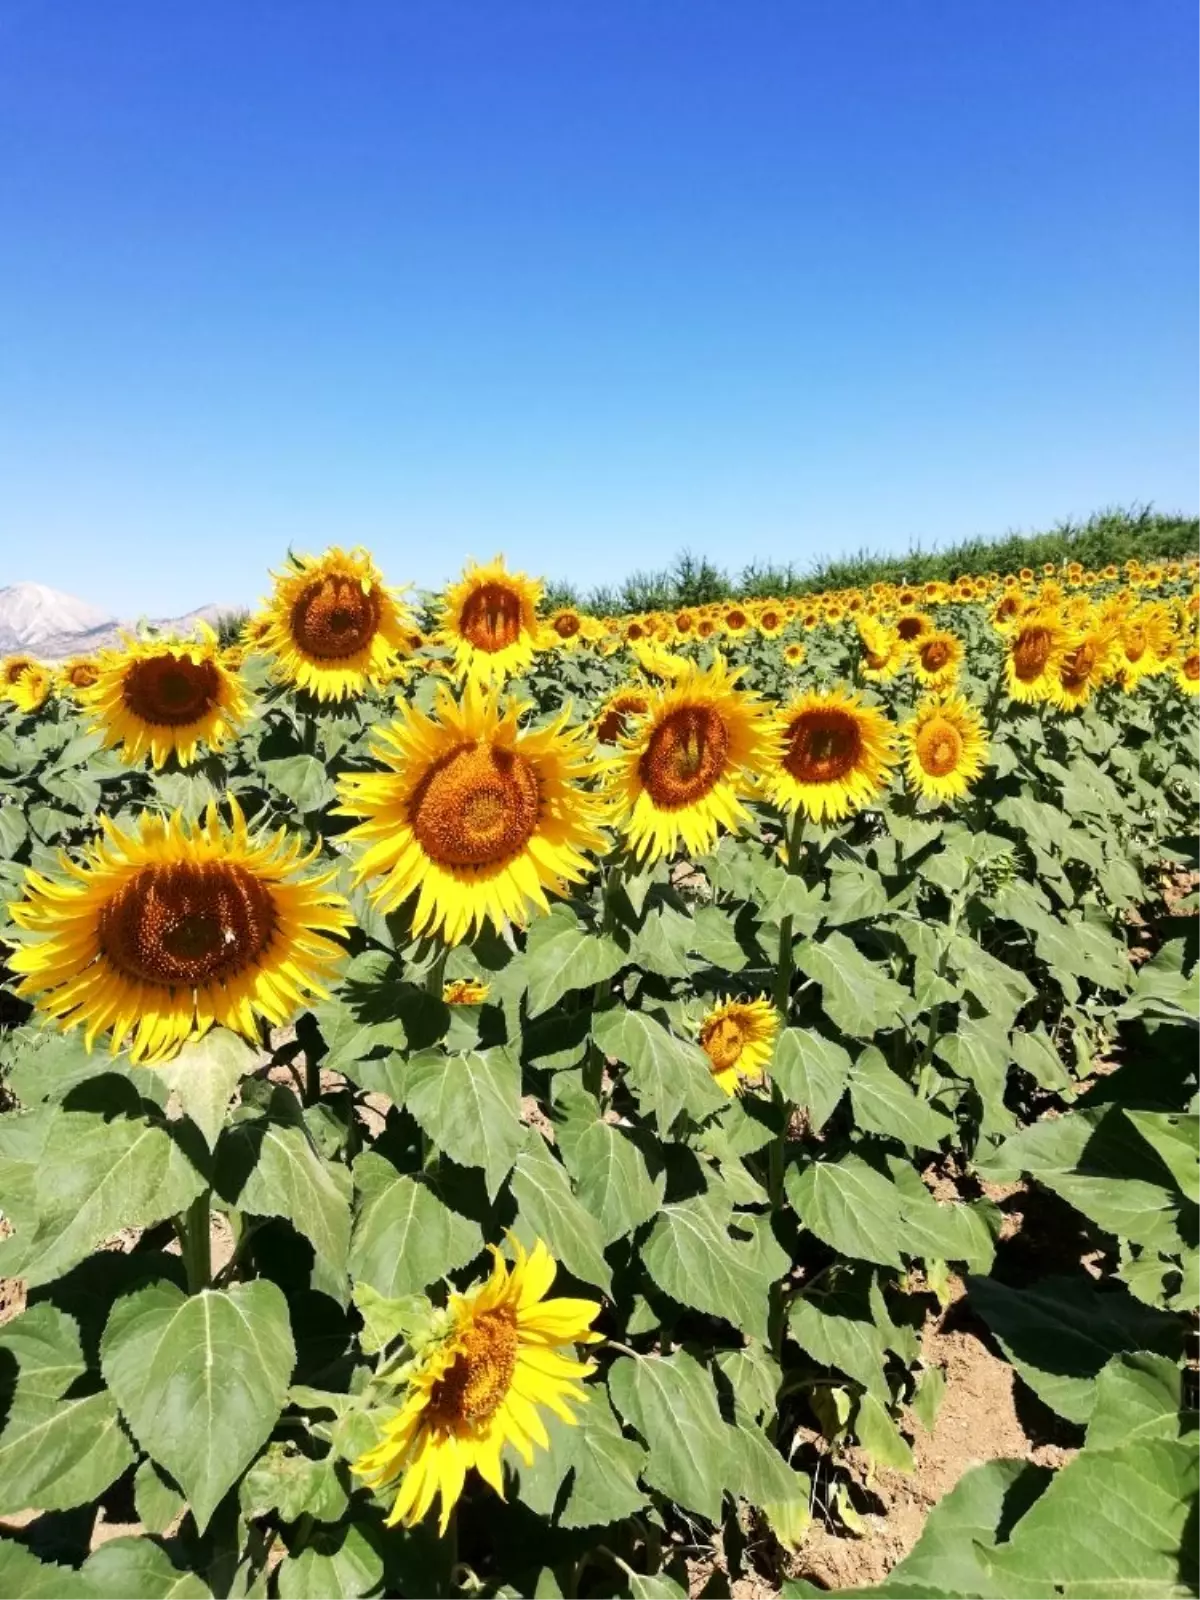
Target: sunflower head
[(834, 755), (690, 759), (883, 651), (738, 1039), (473, 818), (335, 628), (166, 929), (489, 620), (32, 689), (1036, 648), (912, 625), (735, 620), (1089, 661), (566, 625), (936, 658), (465, 992), (793, 653), (944, 747), (12, 667), (771, 619), (164, 698), (1187, 672), (78, 673), (476, 1387), (614, 716)]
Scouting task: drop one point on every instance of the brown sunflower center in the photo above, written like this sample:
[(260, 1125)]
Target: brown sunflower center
[(478, 805), (187, 924), (491, 617), (334, 618), (723, 1042), (1191, 666), (685, 756), (169, 690), (84, 674), (939, 746), (935, 654), (1078, 667), (1134, 642), (735, 618), (822, 746), (566, 626), (910, 628), (706, 627), (474, 1386), (1031, 653), (771, 619)]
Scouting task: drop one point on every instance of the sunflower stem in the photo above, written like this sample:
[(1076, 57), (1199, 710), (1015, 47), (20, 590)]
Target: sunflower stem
[(312, 1079), (435, 978), (310, 733), (194, 1243)]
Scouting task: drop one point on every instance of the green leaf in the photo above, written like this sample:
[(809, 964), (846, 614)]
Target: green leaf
[(850, 1206), (947, 1557), (859, 996), (1173, 1138), (837, 1329), (549, 1210), (201, 1380), (24, 1577), (404, 1237), (203, 1076), (879, 1435), (691, 1256), (1080, 949), (812, 1071), (335, 1563), (270, 1168), (288, 1482), (98, 1175), (1138, 1396), (564, 954), (157, 1501), (753, 1376), (668, 1074), (469, 1105), (611, 1180), (598, 1464), (1060, 1332), (885, 1104), (1112, 1522), (714, 939), (671, 1403), (139, 1569), (301, 779), (56, 1451)]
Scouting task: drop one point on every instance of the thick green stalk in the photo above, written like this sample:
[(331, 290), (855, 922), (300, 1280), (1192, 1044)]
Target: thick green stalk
[(195, 1247)]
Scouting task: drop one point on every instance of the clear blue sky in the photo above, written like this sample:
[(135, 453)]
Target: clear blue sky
[(582, 280)]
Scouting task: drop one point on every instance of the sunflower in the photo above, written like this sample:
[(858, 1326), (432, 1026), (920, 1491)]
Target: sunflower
[(793, 653), (168, 928), (912, 625), (1187, 671), (489, 620), (1143, 645), (771, 620), (567, 627), (234, 657), (164, 697), (1006, 613), (79, 672), (1089, 662), (835, 755), (475, 818), (682, 773), (334, 626), (706, 627), (883, 651), (255, 632), (475, 1386), (936, 658), (32, 688), (685, 623), (11, 669), (465, 992), (612, 719), (944, 747), (738, 1039), (1036, 649), (735, 620)]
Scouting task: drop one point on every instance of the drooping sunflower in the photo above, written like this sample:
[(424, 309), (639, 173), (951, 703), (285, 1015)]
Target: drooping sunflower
[(683, 771), (475, 819), (613, 718), (738, 1038), (1144, 645), (168, 928), (80, 672), (1036, 649), (944, 747), (936, 658), (834, 755), (165, 697), (465, 992), (335, 627), (476, 1385), (1089, 661), (489, 620), (32, 688)]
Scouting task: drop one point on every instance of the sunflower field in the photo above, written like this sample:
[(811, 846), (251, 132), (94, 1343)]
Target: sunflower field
[(492, 1099)]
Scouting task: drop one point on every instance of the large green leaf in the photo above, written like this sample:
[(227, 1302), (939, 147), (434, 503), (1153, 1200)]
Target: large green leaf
[(139, 1569), (611, 1180), (812, 1071), (336, 1563), (549, 1209), (851, 1207), (203, 1076), (838, 1330), (404, 1237), (668, 1074), (691, 1256), (671, 1403), (1060, 1332), (24, 1577), (947, 1557), (55, 1454), (201, 1380), (599, 1465), (469, 1105), (859, 996), (883, 1103), (1138, 1396), (564, 954)]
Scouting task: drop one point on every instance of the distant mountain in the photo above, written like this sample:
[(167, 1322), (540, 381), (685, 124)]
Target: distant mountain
[(52, 625)]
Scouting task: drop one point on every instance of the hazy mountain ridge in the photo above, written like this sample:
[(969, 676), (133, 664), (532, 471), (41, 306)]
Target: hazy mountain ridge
[(52, 625)]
